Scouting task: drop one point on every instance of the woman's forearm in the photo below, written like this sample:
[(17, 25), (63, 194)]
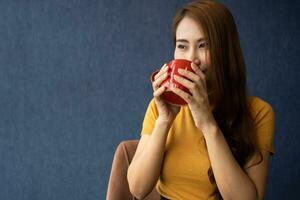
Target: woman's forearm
[(144, 170), (232, 181)]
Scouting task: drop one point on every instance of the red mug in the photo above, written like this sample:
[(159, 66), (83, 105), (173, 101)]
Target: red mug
[(173, 67)]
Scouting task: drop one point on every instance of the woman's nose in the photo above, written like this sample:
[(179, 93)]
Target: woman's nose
[(193, 55), (196, 61)]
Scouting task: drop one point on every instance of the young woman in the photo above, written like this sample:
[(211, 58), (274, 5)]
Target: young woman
[(218, 145)]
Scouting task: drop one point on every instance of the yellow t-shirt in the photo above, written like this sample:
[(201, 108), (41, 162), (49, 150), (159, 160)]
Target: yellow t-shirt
[(185, 170)]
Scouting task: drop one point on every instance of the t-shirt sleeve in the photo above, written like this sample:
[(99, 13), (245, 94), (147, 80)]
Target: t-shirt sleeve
[(150, 118), (264, 125)]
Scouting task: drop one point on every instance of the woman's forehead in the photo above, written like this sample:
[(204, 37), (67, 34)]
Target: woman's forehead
[(189, 29)]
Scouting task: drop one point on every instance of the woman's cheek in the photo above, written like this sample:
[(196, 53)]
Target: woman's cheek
[(178, 55), (205, 62)]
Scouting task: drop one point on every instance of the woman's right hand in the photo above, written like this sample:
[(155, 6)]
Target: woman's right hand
[(167, 112)]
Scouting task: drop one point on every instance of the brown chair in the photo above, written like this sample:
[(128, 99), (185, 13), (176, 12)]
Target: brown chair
[(118, 188)]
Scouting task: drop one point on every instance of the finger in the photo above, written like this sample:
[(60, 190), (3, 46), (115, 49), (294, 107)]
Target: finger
[(192, 86), (163, 69), (159, 91), (197, 70), (186, 96), (159, 80), (190, 75)]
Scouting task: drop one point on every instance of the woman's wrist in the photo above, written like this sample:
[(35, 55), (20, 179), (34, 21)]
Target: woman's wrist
[(162, 127), (210, 129), (207, 125), (163, 122)]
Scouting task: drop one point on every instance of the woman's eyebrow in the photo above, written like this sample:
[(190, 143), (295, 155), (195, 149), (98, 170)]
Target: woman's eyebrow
[(182, 40), (202, 39), (186, 41)]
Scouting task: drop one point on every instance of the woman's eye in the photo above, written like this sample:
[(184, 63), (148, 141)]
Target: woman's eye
[(203, 45), (180, 46)]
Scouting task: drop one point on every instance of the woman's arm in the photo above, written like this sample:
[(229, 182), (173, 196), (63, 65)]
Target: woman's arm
[(232, 181), (144, 170), (145, 167)]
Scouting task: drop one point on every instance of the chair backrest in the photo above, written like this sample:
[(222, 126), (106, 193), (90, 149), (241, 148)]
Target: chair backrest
[(118, 188)]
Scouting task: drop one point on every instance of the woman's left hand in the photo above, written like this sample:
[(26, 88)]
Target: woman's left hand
[(198, 101)]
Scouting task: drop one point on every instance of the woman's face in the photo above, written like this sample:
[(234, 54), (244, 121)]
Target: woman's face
[(191, 44)]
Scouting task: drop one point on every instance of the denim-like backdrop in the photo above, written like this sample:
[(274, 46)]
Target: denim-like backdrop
[(74, 83)]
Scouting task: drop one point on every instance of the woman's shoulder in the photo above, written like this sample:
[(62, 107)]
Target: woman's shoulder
[(257, 102), (259, 108), (152, 105)]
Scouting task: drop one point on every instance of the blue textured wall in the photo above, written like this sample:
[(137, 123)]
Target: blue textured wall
[(74, 82)]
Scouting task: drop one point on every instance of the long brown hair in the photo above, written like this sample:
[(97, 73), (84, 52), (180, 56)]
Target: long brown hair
[(227, 88)]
